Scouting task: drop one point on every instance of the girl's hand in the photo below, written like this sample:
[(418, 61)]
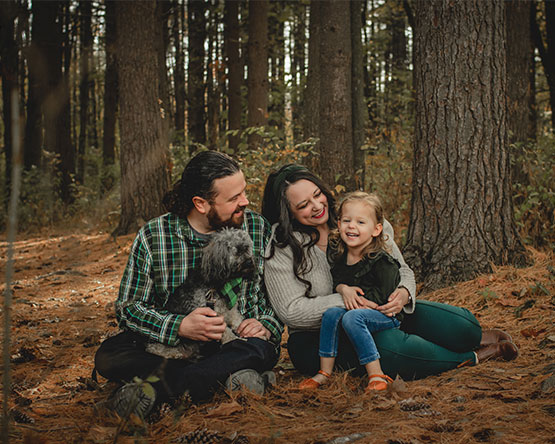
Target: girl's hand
[(352, 296)]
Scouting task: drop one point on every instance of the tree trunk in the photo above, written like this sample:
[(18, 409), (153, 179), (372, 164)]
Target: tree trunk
[(179, 76), (196, 116), (56, 105), (336, 154), (144, 174), (37, 67), (276, 57), (547, 51), (360, 112), (520, 60), (9, 75), (258, 86), (110, 94), (163, 11), (85, 12), (311, 120), (234, 69), (462, 215), (298, 67)]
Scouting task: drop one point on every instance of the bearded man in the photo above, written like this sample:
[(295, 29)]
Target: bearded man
[(209, 196)]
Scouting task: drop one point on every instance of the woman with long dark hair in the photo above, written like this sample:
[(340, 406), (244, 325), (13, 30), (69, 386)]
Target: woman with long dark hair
[(434, 337)]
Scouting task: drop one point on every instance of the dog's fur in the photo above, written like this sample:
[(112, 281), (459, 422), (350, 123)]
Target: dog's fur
[(228, 255)]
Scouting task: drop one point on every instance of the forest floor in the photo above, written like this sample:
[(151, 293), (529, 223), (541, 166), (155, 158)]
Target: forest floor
[(63, 293)]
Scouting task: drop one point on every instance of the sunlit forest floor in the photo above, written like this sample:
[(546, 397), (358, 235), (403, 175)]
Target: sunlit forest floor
[(63, 297)]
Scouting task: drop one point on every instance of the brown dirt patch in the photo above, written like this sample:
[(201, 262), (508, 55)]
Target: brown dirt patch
[(63, 292)]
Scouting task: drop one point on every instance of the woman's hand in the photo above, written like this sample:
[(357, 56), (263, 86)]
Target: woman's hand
[(352, 296), (396, 301), (252, 328)]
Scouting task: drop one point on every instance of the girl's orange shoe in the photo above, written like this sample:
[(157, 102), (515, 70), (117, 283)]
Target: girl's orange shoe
[(311, 384), (378, 385)]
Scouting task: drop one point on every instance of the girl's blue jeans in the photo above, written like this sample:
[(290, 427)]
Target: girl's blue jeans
[(359, 325)]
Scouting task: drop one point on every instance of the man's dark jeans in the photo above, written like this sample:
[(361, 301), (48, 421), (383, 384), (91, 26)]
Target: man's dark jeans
[(122, 357)]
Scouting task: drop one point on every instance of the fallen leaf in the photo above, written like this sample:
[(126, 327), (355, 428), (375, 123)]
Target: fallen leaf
[(384, 404), (508, 302), (531, 332), (225, 409)]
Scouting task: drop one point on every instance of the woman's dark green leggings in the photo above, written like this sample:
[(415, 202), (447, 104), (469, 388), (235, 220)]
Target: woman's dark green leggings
[(435, 338)]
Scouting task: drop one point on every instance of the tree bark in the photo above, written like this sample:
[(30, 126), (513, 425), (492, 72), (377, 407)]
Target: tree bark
[(336, 131), (144, 174), (462, 217), (110, 93), (196, 116), (547, 52), (311, 121), (179, 76), (258, 87), (521, 121), (9, 74), (85, 13), (234, 69), (360, 112)]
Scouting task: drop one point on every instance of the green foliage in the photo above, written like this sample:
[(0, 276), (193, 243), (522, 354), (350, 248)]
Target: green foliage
[(535, 200)]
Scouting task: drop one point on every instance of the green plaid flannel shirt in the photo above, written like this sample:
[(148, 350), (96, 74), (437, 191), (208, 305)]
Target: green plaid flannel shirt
[(163, 252)]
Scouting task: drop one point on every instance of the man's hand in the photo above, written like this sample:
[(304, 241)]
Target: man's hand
[(396, 301), (252, 328), (202, 324)]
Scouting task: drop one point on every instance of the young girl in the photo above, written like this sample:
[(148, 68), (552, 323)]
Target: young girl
[(365, 275)]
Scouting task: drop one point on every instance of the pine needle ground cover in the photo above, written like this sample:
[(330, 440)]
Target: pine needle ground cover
[(63, 308)]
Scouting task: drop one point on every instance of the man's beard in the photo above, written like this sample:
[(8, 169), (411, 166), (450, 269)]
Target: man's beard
[(216, 222)]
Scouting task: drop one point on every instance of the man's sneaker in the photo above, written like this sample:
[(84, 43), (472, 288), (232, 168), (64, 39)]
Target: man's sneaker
[(269, 378), (251, 380), (134, 398)]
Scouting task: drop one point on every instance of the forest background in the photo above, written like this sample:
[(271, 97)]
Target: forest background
[(442, 108)]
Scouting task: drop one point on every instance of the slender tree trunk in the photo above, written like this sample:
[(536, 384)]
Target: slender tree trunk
[(179, 76), (110, 95), (85, 13), (196, 115), (235, 71), (520, 61), (144, 174), (462, 217), (311, 120), (360, 112), (9, 75), (547, 51), (258, 86), (298, 68), (336, 154), (37, 66)]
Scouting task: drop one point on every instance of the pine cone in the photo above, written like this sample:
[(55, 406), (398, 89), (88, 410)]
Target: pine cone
[(200, 436), (21, 417)]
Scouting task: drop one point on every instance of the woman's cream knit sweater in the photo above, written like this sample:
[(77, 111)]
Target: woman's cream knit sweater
[(287, 293)]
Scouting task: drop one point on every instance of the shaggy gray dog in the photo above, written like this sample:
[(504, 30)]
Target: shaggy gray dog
[(228, 255)]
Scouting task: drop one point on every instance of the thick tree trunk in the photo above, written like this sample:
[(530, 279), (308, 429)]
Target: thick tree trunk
[(234, 69), (360, 112), (179, 76), (336, 131), (144, 174), (258, 86), (521, 122), (56, 105), (196, 116), (110, 93), (462, 215)]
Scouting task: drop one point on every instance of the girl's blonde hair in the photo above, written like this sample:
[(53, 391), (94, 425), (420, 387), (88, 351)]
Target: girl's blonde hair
[(378, 242)]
